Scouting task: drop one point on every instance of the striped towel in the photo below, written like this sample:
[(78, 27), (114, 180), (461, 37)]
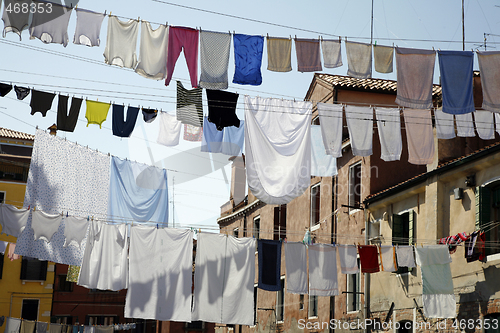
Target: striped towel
[(189, 107)]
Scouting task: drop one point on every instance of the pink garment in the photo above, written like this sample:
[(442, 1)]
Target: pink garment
[(10, 254), (183, 38)]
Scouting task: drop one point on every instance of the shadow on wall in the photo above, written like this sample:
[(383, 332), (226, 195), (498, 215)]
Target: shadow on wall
[(474, 303)]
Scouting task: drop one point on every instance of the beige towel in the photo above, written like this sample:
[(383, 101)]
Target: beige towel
[(419, 136), (489, 66), (332, 56), (308, 55), (27, 326), (279, 54), (383, 56)]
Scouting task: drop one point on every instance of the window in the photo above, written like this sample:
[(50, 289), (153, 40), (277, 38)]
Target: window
[(315, 121), (487, 213), (236, 232), (62, 320), (256, 227), (354, 185), (313, 306), (2, 197), (280, 302), (315, 194), (1, 265), (402, 232), (30, 309), (255, 305), (353, 291), (301, 302), (33, 269), (100, 320), (195, 325), (280, 222), (64, 285)]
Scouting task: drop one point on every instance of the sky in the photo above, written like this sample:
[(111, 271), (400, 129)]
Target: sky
[(199, 183)]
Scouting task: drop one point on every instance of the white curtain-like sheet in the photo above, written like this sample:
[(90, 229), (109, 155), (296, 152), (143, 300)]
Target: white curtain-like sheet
[(278, 148), (296, 268), (223, 280), (160, 274), (323, 270)]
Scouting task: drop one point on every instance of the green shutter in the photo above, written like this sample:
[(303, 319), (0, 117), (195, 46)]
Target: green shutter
[(483, 206), (397, 229), (411, 218)]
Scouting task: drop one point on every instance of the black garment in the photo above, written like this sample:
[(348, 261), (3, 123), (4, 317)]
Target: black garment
[(222, 108), (41, 102), (122, 128), (269, 264), (67, 122), (21, 92), (5, 89), (149, 115)]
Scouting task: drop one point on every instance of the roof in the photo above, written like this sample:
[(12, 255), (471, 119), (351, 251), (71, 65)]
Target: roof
[(10, 134), (493, 148), (378, 85)]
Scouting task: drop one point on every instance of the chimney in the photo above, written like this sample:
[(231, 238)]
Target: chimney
[(238, 180)]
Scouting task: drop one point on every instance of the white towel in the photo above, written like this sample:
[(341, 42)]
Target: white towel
[(360, 125), (323, 270), (438, 296), (445, 127), (170, 130), (160, 274), (296, 268), (105, 263), (489, 66), (388, 258), (45, 225), (497, 122), (153, 52), (224, 278), (278, 157), (485, 124), (405, 256), (332, 56), (13, 220), (322, 164), (75, 230), (348, 255), (415, 71), (465, 125), (389, 133), (383, 56), (12, 325), (359, 60), (330, 120), (419, 136)]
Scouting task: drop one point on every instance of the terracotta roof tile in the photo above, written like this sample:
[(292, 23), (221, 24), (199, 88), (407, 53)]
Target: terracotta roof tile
[(7, 133)]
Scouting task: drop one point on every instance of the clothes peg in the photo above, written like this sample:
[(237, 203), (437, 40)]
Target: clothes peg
[(88, 218), (34, 208), (156, 225), (67, 213), (199, 231), (109, 13)]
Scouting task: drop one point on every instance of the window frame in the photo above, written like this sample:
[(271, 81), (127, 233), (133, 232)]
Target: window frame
[(353, 299), (63, 285), (488, 211), (279, 222), (3, 196), (256, 230), (315, 200), (25, 269), (236, 232), (355, 180), (280, 302), (37, 308), (400, 232), (312, 311)]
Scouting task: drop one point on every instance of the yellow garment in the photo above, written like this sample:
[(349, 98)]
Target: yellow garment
[(73, 272), (27, 326), (96, 112), (279, 52)]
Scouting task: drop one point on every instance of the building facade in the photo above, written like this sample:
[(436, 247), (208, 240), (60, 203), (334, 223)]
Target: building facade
[(26, 284)]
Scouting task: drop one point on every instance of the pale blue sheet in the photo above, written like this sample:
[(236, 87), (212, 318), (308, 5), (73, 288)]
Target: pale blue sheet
[(233, 139), (137, 192)]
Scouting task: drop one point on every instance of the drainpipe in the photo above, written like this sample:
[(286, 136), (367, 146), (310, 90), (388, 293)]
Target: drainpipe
[(366, 308)]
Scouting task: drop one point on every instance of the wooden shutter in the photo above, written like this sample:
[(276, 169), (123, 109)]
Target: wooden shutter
[(276, 228), (411, 219), (483, 206), (397, 229), (283, 221)]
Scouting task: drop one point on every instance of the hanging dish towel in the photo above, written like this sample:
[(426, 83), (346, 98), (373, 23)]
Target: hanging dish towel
[(323, 270), (419, 135), (389, 133), (214, 59), (296, 268), (330, 120), (359, 60), (332, 55), (489, 67), (383, 56), (279, 54), (360, 125)]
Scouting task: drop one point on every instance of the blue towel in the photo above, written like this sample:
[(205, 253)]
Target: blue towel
[(233, 139), (269, 264), (137, 192), (322, 165), (248, 59), (212, 138), (456, 81)]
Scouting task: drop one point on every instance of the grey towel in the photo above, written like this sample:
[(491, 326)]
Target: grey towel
[(308, 55), (359, 60), (332, 56), (214, 59), (415, 70), (489, 66), (383, 56)]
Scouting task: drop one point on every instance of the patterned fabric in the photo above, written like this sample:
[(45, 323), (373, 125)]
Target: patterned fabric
[(66, 176), (73, 272), (214, 59), (189, 107), (192, 133), (454, 240)]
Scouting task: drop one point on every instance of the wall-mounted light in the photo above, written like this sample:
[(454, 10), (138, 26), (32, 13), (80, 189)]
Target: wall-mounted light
[(459, 193), (470, 181)]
